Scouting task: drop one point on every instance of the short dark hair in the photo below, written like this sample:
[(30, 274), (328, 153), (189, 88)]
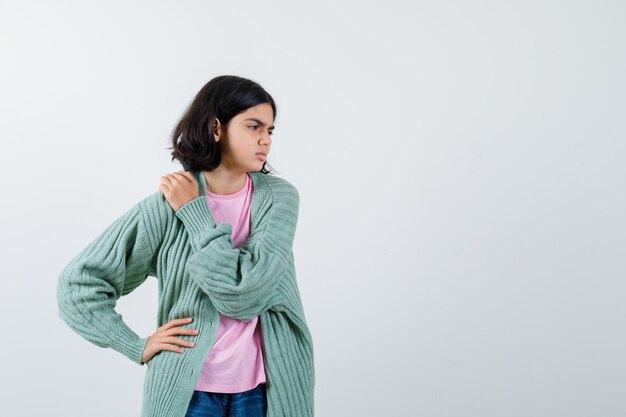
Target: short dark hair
[(224, 97)]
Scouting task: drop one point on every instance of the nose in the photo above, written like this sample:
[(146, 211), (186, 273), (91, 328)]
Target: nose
[(266, 139)]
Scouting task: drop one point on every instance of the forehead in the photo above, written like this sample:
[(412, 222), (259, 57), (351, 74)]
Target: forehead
[(262, 112)]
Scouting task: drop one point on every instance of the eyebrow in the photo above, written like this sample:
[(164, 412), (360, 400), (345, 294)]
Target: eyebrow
[(258, 121)]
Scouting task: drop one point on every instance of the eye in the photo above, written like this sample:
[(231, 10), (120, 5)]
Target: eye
[(271, 132)]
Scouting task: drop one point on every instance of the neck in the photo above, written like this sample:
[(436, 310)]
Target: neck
[(223, 182)]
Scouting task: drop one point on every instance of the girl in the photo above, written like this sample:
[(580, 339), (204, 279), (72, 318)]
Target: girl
[(232, 337)]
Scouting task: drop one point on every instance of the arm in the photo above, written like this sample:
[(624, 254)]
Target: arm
[(242, 282), (111, 266)]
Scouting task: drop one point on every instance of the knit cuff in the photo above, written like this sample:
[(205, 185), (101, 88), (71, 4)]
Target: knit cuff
[(130, 345), (196, 215), (201, 227)]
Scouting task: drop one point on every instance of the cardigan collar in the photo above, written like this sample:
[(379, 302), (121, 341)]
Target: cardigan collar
[(259, 184)]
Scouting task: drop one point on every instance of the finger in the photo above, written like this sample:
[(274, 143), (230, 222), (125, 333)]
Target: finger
[(176, 322), (189, 175), (181, 330), (172, 348), (166, 179), (173, 177), (178, 341), (177, 177), (181, 176)]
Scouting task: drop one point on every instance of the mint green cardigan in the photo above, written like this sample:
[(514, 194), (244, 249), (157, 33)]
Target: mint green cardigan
[(200, 274)]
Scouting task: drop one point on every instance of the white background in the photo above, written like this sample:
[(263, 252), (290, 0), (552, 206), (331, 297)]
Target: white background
[(461, 240)]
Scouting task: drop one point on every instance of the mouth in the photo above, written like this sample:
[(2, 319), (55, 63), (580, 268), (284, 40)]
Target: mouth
[(261, 155)]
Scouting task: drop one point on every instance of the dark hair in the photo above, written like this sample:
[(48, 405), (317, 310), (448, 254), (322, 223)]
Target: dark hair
[(224, 97)]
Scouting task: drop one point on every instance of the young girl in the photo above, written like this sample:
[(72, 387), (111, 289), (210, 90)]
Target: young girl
[(232, 338)]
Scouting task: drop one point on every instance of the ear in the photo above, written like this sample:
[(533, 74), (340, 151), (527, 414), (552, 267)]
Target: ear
[(217, 128)]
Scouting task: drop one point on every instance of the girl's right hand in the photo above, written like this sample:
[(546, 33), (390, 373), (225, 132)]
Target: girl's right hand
[(164, 338)]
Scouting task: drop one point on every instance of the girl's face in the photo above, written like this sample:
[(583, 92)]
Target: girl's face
[(248, 135)]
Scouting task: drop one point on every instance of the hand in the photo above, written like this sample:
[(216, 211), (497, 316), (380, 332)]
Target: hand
[(163, 338), (179, 188)]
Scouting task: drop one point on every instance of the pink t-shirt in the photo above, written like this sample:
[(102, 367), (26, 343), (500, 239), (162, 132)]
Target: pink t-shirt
[(235, 361)]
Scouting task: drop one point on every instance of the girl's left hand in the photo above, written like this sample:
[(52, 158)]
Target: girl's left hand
[(179, 188)]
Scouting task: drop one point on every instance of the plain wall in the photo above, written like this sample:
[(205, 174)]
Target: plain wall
[(461, 239)]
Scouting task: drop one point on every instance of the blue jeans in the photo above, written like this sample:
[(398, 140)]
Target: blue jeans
[(252, 403)]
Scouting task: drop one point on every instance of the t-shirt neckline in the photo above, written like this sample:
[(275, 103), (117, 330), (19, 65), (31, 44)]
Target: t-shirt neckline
[(233, 195)]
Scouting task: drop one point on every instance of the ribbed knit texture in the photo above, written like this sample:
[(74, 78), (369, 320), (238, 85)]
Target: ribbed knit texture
[(200, 274)]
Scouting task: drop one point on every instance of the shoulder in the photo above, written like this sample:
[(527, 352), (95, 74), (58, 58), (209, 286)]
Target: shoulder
[(157, 213), (281, 188), (284, 208), (155, 203)]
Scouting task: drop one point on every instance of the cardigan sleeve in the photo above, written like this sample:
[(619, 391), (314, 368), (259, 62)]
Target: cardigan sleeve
[(111, 266), (241, 282)]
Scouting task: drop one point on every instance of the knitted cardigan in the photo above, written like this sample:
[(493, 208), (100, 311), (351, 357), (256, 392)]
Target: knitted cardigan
[(200, 274)]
